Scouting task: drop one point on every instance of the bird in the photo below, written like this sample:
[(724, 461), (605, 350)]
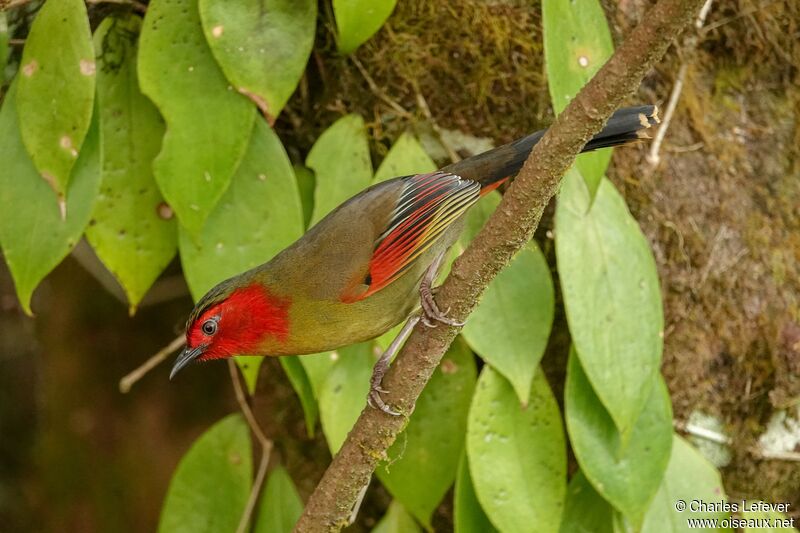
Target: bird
[(368, 265)]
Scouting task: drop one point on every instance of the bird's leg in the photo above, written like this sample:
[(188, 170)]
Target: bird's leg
[(374, 398), (430, 309)]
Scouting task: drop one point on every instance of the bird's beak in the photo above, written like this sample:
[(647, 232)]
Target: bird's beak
[(187, 356)]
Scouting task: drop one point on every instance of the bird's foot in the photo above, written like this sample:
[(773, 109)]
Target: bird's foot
[(374, 398), (431, 311)]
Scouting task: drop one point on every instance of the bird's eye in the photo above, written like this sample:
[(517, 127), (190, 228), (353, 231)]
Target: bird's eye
[(210, 327)]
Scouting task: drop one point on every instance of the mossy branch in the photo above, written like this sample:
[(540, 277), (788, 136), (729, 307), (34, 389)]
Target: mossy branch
[(506, 232)]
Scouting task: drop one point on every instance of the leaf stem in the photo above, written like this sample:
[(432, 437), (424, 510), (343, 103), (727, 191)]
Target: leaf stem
[(131, 378), (653, 158), (266, 447)]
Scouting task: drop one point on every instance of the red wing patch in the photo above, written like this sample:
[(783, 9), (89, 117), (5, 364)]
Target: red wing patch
[(427, 206)]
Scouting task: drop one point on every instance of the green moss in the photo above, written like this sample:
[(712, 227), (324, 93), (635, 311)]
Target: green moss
[(478, 66)]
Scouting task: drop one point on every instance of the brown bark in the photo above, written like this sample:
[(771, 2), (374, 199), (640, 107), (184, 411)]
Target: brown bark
[(509, 228)]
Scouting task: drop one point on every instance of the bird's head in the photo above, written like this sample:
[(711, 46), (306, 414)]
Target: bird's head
[(233, 320)]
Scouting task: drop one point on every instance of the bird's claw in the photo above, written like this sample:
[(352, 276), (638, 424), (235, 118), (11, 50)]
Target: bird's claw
[(431, 312), (376, 402), (382, 365)]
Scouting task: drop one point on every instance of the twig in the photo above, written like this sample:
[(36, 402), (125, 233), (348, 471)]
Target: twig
[(264, 442), (377, 91), (701, 17), (423, 105), (778, 455), (684, 149), (719, 438), (703, 433), (130, 380), (509, 229), (741, 14), (653, 158)]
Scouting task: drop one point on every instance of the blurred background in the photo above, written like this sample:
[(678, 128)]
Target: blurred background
[(721, 210)]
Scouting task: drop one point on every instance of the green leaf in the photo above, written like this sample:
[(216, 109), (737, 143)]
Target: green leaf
[(344, 392), (510, 326), (629, 475), (424, 458), (341, 164), (210, 487), (517, 455), (764, 518), (208, 123), (585, 511), (358, 20), (611, 294), (306, 183), (468, 515), (249, 366), (280, 506), (259, 216), (396, 520), (689, 477), (262, 47), (302, 386), (577, 42), (33, 235), (317, 367), (55, 94), (132, 230), (404, 159)]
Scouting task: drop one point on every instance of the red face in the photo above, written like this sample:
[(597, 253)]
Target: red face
[(206, 332), (235, 326)]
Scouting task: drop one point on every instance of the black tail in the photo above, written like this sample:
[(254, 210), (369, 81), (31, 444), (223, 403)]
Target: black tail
[(625, 126)]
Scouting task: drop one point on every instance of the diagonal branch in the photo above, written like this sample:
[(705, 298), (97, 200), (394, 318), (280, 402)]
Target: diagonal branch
[(509, 228)]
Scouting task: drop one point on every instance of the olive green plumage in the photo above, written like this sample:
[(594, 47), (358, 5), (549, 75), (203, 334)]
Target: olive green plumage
[(357, 272)]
